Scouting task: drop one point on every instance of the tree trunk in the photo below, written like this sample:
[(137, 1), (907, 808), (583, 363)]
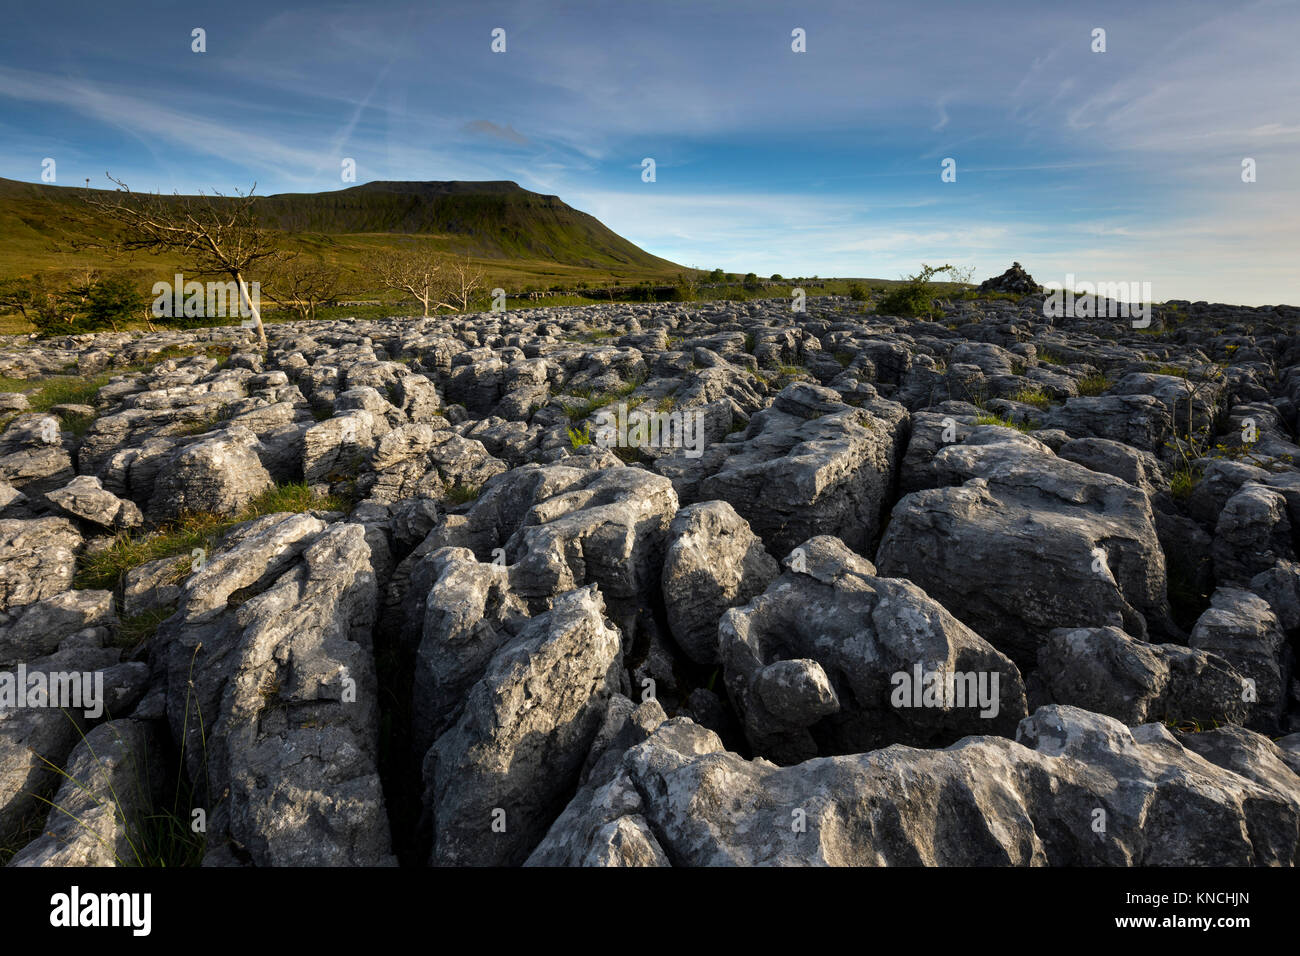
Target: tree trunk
[(257, 314)]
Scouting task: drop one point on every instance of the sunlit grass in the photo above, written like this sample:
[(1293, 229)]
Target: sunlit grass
[(108, 567)]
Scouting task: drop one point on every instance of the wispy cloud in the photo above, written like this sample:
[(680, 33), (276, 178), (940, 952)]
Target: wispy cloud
[(487, 128), (825, 161)]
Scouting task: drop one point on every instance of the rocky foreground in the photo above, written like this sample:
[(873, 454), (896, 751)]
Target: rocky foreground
[(991, 589)]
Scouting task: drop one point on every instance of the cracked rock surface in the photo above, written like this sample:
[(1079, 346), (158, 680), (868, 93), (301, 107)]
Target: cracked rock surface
[(658, 584)]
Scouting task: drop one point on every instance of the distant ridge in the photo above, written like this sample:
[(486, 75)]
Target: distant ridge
[(490, 220)]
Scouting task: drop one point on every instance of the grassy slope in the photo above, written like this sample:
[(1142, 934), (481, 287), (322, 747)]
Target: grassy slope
[(519, 237)]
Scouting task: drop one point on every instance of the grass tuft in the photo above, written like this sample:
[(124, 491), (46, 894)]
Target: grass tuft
[(1033, 396), (107, 568), (1006, 423), (1092, 385), (463, 494), (1183, 482), (579, 438)]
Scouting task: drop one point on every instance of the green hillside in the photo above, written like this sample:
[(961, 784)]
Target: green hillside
[(520, 238)]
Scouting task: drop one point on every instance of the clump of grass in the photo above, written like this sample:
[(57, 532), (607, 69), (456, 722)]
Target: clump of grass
[(294, 496), (844, 358), (579, 438), (971, 295), (630, 454), (1192, 725), (201, 427), (866, 421), (750, 341), (1005, 423), (628, 387), (1173, 370), (137, 630), (577, 411), (162, 836), (1048, 358), (269, 688), (462, 494), (108, 567), (666, 404), (1092, 385), (1033, 396), (1183, 482), (76, 423), (43, 394), (68, 391), (591, 337), (22, 833), (179, 352)]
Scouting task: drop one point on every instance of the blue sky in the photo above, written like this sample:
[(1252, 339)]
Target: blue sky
[(1115, 166)]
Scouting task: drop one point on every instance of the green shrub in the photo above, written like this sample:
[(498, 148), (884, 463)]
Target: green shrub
[(91, 304), (113, 302), (915, 297)]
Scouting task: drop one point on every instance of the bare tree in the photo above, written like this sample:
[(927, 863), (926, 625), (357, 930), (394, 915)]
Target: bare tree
[(464, 280), (219, 234), (689, 282), (1193, 428), (300, 283), (417, 272)]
